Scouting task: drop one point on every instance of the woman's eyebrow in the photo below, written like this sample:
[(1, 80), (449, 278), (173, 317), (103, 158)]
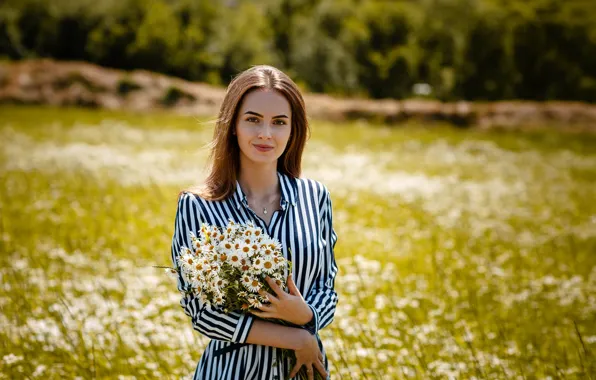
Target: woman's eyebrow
[(259, 115), (253, 113)]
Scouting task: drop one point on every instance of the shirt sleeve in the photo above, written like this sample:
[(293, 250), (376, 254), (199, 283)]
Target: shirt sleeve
[(322, 298), (208, 320)]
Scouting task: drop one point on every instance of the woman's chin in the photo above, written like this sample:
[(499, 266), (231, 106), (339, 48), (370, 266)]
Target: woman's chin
[(262, 159)]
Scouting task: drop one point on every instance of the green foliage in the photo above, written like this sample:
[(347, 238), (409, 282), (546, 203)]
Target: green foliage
[(464, 49)]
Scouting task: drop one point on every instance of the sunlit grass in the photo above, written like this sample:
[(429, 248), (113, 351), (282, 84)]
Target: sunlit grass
[(462, 253)]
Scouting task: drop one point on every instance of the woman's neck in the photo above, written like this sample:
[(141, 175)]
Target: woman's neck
[(259, 182)]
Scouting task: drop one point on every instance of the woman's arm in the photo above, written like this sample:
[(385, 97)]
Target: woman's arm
[(322, 298), (305, 345), (275, 335), (206, 319)]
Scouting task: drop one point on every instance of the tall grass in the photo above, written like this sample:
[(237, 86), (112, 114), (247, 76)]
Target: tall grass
[(462, 254)]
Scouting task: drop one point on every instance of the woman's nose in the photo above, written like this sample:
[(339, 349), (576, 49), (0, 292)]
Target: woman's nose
[(265, 132)]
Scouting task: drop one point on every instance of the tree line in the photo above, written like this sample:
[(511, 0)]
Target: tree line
[(460, 49)]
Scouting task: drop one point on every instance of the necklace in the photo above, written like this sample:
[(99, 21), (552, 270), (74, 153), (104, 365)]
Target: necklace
[(265, 208)]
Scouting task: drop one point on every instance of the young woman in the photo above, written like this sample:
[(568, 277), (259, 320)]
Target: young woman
[(255, 166)]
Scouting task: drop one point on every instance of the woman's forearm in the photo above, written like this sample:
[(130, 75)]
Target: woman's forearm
[(275, 335)]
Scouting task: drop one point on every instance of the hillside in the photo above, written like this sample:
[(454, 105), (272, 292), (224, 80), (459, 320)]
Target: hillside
[(84, 84)]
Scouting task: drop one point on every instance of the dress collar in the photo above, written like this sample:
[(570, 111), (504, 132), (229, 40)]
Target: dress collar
[(287, 192)]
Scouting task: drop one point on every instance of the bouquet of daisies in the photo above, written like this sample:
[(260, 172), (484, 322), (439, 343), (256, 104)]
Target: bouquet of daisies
[(227, 268)]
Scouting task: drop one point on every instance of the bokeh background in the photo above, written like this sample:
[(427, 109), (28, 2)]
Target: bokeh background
[(457, 138)]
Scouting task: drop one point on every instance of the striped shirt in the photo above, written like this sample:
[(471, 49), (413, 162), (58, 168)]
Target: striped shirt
[(304, 227)]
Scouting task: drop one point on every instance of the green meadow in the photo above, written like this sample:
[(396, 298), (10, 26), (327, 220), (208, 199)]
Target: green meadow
[(462, 254)]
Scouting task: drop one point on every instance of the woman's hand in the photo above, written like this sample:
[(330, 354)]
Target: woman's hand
[(309, 355), (289, 307)]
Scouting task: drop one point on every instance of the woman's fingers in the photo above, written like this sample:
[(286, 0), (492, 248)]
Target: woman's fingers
[(292, 286), (321, 368), (278, 291), (295, 369), (310, 373), (267, 308)]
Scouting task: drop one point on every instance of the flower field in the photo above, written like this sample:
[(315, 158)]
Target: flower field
[(461, 253)]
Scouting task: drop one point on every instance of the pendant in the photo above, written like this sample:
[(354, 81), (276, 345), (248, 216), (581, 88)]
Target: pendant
[(265, 211)]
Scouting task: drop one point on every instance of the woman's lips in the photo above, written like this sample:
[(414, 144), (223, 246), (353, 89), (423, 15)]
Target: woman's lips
[(263, 148)]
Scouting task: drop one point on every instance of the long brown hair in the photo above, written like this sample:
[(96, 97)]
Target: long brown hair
[(224, 157)]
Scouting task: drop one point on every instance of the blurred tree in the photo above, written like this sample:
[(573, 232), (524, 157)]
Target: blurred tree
[(244, 39), (463, 49)]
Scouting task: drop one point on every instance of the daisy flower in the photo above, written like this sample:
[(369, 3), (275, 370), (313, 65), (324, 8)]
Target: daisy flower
[(246, 240), (254, 302), (197, 281), (245, 248), (257, 265), (234, 259), (278, 261), (186, 261), (254, 285), (196, 243), (230, 229), (246, 280), (221, 283), (276, 245), (219, 300), (172, 273), (268, 265), (244, 264), (242, 294), (226, 245)]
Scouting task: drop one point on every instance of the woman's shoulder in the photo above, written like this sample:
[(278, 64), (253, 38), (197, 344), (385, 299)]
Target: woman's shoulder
[(190, 198), (312, 186), (194, 197)]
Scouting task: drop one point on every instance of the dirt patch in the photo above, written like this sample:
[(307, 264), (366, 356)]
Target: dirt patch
[(84, 84)]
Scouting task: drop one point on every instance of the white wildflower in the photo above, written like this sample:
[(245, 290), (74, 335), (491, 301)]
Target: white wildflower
[(11, 359)]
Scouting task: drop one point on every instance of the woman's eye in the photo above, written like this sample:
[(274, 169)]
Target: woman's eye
[(252, 120), (280, 122)]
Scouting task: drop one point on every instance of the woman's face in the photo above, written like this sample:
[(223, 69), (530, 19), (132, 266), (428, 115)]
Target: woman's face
[(263, 126)]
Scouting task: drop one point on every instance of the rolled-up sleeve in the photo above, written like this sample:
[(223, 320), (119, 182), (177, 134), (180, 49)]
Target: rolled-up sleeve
[(322, 297), (206, 319)]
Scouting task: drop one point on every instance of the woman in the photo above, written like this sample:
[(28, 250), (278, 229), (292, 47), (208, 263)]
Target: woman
[(255, 165)]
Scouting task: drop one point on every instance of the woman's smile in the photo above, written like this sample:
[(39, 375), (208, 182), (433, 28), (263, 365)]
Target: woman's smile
[(263, 148)]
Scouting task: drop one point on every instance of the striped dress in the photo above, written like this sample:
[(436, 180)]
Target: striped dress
[(304, 227)]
